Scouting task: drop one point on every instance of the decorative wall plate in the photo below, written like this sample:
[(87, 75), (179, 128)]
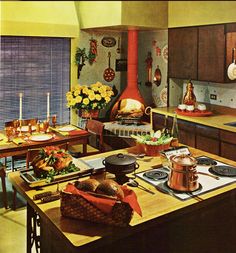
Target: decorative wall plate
[(108, 41)]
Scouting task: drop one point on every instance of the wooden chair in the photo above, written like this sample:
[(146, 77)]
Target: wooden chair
[(96, 141), (4, 191), (22, 156), (31, 153)]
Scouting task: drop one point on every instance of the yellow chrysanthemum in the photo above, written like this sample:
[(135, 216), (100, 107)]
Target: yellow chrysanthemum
[(107, 99), (86, 101), (77, 92), (91, 96), (78, 99), (94, 105), (98, 97)]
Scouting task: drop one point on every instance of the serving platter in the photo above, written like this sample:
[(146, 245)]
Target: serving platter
[(66, 128), (85, 169), (26, 128), (41, 137), (195, 113)]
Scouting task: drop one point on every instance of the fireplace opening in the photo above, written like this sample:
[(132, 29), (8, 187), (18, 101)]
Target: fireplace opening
[(130, 106)]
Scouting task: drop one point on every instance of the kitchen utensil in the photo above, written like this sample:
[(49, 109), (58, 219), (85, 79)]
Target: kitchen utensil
[(109, 73), (232, 67), (134, 183), (120, 165), (157, 76), (118, 50), (183, 176), (209, 175)]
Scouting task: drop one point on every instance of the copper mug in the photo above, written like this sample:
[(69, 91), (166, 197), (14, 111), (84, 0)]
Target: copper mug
[(183, 176)]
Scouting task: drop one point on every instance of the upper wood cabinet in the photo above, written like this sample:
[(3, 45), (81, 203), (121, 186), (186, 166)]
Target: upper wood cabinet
[(182, 51), (201, 53)]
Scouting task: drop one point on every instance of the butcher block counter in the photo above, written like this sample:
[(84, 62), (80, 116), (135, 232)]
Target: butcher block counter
[(205, 223)]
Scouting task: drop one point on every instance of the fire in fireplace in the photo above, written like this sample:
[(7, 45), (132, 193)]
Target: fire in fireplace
[(130, 105)]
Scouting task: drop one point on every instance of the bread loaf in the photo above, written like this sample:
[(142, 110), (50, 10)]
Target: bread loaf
[(87, 185), (111, 188)]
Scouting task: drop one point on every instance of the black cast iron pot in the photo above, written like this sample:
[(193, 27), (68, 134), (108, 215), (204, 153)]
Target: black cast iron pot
[(120, 165)]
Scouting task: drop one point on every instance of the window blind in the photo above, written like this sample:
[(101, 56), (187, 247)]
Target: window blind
[(34, 66)]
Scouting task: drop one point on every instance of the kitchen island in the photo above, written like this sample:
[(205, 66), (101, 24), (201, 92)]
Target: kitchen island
[(204, 223)]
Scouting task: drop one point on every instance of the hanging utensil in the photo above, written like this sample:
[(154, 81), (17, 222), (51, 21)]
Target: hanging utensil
[(109, 73), (157, 76), (118, 50), (232, 67)]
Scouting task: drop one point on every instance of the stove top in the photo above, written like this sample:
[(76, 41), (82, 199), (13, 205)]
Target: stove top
[(206, 183)]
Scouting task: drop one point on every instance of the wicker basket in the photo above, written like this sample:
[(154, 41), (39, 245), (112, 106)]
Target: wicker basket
[(152, 150), (77, 207)]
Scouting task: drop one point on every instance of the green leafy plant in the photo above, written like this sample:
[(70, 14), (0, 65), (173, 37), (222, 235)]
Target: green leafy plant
[(80, 56)]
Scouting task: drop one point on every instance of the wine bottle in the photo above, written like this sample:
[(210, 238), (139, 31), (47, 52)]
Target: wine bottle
[(175, 132), (165, 130)]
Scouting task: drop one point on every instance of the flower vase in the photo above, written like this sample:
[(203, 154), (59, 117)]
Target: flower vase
[(89, 113)]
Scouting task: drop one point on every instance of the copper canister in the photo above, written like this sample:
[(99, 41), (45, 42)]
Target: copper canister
[(183, 176)]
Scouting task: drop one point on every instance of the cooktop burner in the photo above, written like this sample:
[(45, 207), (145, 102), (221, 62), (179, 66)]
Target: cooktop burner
[(205, 161), (223, 170), (165, 184), (156, 175)]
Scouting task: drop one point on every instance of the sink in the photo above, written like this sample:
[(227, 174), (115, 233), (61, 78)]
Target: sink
[(233, 124)]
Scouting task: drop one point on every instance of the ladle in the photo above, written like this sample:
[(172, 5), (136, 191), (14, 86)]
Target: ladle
[(134, 183)]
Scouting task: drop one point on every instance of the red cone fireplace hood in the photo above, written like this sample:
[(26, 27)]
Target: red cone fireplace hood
[(131, 91)]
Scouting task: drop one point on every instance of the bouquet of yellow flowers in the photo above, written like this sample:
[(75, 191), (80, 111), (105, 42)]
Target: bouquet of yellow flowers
[(96, 96)]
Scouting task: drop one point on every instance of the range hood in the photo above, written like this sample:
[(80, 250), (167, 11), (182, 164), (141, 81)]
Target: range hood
[(39, 18)]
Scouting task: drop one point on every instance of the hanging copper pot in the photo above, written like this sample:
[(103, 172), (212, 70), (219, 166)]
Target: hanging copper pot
[(157, 76)]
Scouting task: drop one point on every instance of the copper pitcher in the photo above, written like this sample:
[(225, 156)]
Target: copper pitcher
[(183, 176)]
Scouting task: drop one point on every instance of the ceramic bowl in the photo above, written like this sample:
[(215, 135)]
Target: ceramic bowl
[(201, 107), (182, 107), (190, 108)]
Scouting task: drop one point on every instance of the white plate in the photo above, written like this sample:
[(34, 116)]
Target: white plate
[(41, 137), (66, 128), (26, 128)]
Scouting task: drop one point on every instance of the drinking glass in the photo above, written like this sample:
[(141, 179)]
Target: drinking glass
[(9, 133), (45, 126), (54, 120)]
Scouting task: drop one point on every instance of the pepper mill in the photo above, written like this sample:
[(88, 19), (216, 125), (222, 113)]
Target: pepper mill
[(189, 96)]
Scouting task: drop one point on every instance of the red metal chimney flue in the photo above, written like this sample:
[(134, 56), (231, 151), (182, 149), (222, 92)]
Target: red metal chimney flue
[(131, 91)]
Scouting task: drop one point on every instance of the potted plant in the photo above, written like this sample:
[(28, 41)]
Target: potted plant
[(89, 99), (80, 58)]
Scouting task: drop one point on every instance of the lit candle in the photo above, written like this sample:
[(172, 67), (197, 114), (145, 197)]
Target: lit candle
[(20, 109), (48, 105)]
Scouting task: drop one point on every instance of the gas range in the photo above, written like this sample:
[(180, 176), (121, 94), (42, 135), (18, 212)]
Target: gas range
[(158, 177)]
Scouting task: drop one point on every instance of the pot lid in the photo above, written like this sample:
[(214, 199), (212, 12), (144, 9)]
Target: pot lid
[(184, 160), (120, 159)]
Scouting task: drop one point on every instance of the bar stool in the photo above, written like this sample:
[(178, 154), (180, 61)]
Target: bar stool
[(3, 179)]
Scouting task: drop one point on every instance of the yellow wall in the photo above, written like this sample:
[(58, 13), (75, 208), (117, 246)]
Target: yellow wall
[(39, 18), (98, 13), (191, 13), (148, 14)]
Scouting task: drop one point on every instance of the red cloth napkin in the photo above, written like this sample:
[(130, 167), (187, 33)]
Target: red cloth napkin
[(105, 205), (77, 132)]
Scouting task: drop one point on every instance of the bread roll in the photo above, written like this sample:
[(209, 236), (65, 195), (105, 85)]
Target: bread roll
[(87, 185), (111, 188)]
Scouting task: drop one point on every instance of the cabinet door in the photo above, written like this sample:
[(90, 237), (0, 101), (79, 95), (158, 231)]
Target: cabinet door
[(207, 139), (182, 51), (211, 53), (228, 144)]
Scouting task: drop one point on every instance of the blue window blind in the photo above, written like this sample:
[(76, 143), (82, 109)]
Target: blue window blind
[(34, 66)]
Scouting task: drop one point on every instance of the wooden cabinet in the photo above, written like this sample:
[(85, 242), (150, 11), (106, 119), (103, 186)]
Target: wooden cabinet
[(211, 53), (201, 53), (182, 51), (209, 139)]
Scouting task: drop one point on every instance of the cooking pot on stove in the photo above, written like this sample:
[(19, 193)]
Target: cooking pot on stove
[(120, 165), (183, 176)]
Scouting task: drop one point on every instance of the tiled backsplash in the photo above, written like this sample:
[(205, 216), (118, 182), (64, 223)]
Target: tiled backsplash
[(225, 92)]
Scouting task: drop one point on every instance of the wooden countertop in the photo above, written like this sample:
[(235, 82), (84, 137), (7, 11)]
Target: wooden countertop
[(217, 120), (156, 208)]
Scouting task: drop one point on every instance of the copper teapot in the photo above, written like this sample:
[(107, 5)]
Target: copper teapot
[(183, 176)]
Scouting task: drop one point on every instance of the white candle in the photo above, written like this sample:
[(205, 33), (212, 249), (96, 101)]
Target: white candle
[(48, 105), (20, 109)]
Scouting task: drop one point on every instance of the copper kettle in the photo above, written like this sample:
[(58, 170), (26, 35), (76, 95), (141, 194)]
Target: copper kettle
[(183, 176)]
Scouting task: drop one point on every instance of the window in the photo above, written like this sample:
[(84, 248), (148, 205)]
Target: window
[(34, 66)]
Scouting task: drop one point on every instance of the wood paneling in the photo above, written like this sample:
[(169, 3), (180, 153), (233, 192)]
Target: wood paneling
[(182, 51), (211, 53)]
